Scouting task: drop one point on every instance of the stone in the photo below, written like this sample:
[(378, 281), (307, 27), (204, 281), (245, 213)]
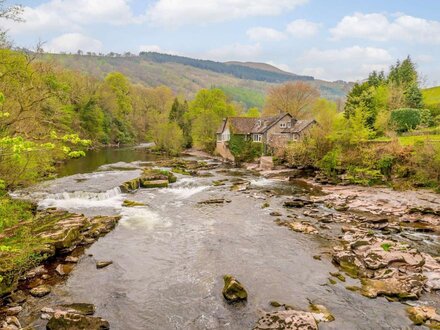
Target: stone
[(215, 201), (130, 186), (275, 214), (401, 287), (424, 315), (80, 308), (13, 311), (297, 203), (303, 227), (287, 320), (321, 313), (128, 203), (13, 321), (18, 297), (103, 264), (63, 270), (37, 271), (72, 259), (40, 291), (71, 321), (233, 290), (147, 184)]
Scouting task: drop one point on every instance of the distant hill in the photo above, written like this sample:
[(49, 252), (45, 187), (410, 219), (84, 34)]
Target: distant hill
[(241, 70), (261, 66), (186, 76)]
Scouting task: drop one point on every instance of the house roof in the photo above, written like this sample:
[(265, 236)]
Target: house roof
[(299, 126), (245, 125)]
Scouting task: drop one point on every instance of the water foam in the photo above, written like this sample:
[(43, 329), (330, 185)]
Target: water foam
[(141, 218), (184, 188), (82, 199)]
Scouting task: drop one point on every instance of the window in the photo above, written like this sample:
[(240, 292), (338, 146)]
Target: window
[(289, 124), (283, 125), (257, 137)]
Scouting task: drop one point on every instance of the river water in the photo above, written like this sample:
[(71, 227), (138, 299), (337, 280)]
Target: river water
[(169, 257)]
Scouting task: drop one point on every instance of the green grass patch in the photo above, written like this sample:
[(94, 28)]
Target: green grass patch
[(411, 140), (431, 96), (14, 211)]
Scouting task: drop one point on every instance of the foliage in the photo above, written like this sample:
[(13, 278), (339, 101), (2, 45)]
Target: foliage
[(168, 137), (178, 114), (206, 112), (253, 113), (330, 162), (295, 98), (244, 150), (405, 119), (13, 212)]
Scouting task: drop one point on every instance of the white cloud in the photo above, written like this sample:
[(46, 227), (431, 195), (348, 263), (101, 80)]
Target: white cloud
[(379, 27), (71, 15), (351, 63), (235, 51), (72, 42), (302, 28), (265, 34), (181, 12)]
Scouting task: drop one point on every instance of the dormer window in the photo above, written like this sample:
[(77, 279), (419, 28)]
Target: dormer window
[(258, 123)]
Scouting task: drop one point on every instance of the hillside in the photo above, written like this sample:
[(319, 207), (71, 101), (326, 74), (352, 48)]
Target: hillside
[(186, 76), (261, 66), (431, 96)]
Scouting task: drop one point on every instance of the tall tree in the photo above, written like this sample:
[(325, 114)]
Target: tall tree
[(295, 98), (12, 13)]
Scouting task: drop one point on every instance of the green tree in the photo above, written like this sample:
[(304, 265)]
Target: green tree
[(206, 113), (253, 113)]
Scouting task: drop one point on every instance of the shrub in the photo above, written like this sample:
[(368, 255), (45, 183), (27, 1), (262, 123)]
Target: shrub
[(405, 119), (244, 150), (330, 162)]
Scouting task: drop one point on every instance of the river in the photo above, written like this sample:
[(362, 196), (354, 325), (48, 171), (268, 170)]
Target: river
[(169, 257)]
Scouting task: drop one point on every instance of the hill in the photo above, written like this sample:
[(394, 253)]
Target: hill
[(431, 96), (261, 66), (186, 76)]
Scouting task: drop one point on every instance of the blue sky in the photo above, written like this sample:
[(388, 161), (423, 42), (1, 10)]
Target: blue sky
[(329, 39)]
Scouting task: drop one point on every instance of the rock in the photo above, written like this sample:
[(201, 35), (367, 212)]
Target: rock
[(18, 297), (130, 186), (71, 321), (339, 276), (40, 291), (45, 316), (154, 184), (80, 308), (47, 310), (233, 291), (128, 203), (401, 287), (13, 311), (103, 264), (302, 227), (297, 203), (72, 259), (215, 201), (431, 269), (275, 214), (12, 321), (424, 315), (287, 320), (321, 313), (37, 271), (63, 270), (341, 208)]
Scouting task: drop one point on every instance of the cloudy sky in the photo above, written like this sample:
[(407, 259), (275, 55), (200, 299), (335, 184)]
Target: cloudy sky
[(329, 39)]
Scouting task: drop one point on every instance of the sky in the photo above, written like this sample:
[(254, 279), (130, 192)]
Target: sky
[(328, 39)]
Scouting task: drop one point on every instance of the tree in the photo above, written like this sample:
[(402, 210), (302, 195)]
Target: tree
[(292, 97), (206, 113), (253, 113), (12, 13), (178, 115)]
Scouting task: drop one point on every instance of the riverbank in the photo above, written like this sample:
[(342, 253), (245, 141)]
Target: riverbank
[(342, 247)]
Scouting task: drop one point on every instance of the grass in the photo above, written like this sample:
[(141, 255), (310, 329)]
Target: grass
[(13, 211), (431, 96)]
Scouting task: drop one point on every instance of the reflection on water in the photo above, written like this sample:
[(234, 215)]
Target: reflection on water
[(97, 158)]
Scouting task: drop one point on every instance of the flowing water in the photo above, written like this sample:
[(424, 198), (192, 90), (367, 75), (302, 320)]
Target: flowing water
[(169, 256)]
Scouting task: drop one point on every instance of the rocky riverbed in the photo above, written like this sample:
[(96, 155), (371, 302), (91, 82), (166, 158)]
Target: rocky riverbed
[(308, 256)]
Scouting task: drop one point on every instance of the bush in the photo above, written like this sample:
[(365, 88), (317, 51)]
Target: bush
[(244, 150), (405, 119), (330, 162)]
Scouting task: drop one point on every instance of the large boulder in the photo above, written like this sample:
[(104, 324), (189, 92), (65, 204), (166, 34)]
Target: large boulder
[(287, 320), (72, 321), (233, 290)]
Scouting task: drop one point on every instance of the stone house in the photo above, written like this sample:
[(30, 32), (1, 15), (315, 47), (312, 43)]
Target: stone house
[(272, 132)]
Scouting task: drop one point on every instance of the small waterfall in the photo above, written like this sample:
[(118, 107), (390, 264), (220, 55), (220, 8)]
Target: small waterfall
[(185, 188), (83, 199)]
